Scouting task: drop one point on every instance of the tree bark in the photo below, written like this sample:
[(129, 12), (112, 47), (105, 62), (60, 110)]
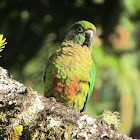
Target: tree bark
[(27, 115)]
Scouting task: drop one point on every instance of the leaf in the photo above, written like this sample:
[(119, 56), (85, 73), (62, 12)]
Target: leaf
[(2, 42)]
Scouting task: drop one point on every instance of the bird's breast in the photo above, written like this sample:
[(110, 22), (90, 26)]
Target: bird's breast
[(73, 66)]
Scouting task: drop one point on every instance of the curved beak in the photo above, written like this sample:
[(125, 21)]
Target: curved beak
[(88, 37)]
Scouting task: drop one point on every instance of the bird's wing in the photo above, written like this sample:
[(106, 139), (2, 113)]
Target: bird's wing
[(91, 84)]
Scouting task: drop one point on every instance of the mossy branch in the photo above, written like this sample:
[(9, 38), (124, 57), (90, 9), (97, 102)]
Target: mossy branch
[(25, 114)]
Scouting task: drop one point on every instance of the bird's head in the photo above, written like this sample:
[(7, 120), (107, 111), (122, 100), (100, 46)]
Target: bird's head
[(82, 33)]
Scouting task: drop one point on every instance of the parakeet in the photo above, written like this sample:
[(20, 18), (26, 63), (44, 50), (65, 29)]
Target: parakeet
[(70, 72)]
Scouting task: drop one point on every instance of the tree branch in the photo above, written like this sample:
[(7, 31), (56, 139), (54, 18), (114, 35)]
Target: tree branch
[(26, 114)]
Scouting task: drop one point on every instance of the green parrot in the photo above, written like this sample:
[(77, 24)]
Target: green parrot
[(70, 72)]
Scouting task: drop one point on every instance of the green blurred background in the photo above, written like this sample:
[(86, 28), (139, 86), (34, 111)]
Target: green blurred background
[(34, 29)]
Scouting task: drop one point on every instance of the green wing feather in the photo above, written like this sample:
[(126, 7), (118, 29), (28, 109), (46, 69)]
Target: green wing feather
[(91, 85)]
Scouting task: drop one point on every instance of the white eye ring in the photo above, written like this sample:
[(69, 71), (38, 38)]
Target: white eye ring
[(79, 29)]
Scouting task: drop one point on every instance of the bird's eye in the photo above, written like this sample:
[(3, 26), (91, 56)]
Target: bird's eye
[(80, 29)]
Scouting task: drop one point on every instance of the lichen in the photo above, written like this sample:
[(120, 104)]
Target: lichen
[(86, 128), (112, 118)]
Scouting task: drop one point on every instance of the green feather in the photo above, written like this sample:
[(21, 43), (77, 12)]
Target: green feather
[(70, 72), (79, 37), (86, 24)]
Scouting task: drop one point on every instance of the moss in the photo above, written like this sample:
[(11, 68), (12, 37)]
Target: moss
[(17, 132)]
